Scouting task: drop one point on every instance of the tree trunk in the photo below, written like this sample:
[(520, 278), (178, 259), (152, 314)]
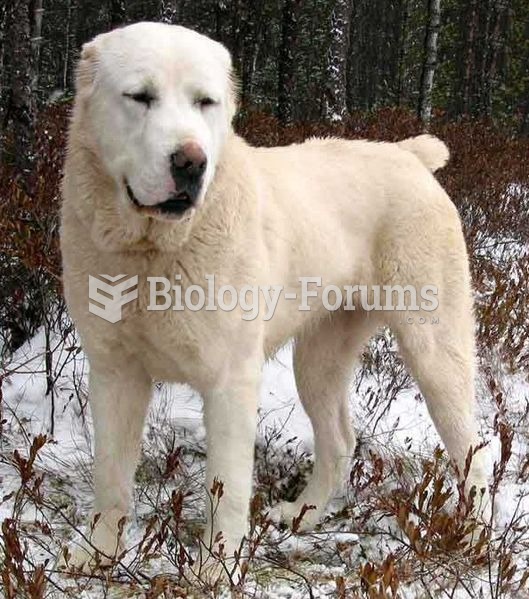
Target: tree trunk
[(250, 33), (483, 47), (399, 50), (4, 9), (430, 60), (21, 105), (524, 128), (169, 12), (469, 60), (253, 36), (220, 11), (495, 45), (70, 46), (286, 67), (3, 15), (335, 99), (36, 44), (236, 36), (118, 13), (363, 39), (524, 125), (352, 58), (243, 15)]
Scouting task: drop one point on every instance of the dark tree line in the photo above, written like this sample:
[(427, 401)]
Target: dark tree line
[(311, 59), (298, 60)]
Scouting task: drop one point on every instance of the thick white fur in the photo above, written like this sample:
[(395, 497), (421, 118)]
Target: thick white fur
[(353, 212)]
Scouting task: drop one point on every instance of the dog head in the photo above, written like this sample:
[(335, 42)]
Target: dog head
[(157, 103)]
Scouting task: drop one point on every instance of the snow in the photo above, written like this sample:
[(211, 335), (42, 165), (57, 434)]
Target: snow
[(403, 428)]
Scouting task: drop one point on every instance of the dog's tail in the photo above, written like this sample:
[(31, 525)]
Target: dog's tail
[(430, 150)]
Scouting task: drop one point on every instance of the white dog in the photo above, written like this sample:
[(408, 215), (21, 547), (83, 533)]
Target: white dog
[(157, 184)]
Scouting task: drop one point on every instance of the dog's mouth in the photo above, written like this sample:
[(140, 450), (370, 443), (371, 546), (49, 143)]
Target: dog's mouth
[(174, 207)]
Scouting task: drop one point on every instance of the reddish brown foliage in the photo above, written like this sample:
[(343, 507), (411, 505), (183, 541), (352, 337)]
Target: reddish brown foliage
[(485, 164)]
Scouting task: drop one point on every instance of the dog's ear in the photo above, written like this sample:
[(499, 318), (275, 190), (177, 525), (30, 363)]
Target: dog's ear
[(232, 99), (85, 73)]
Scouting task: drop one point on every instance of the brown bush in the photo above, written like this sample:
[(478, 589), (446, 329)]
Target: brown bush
[(485, 163), (29, 246), (488, 179)]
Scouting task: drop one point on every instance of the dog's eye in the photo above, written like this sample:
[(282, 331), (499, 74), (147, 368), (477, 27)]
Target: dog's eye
[(206, 101), (141, 97)]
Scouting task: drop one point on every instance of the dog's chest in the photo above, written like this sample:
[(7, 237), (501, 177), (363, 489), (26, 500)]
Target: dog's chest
[(174, 345)]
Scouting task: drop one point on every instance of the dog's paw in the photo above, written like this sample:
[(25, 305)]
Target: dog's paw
[(300, 517), (99, 548), (213, 574), (84, 559)]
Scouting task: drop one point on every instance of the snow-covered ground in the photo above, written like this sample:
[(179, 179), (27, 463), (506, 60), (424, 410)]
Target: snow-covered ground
[(400, 427)]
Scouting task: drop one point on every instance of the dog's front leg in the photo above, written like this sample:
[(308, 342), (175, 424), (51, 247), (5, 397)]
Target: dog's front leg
[(119, 394), (230, 414)]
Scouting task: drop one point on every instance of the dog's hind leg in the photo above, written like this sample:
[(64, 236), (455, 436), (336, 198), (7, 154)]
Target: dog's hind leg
[(440, 355), (324, 359)]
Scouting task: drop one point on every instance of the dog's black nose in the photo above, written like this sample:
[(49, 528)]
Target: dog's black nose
[(188, 164)]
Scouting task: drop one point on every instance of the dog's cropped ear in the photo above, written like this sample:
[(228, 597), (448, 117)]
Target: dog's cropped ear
[(85, 73)]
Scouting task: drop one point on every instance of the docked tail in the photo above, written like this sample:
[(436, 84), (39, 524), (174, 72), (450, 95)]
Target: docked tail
[(430, 150)]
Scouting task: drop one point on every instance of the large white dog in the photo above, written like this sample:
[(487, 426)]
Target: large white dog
[(157, 184)]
